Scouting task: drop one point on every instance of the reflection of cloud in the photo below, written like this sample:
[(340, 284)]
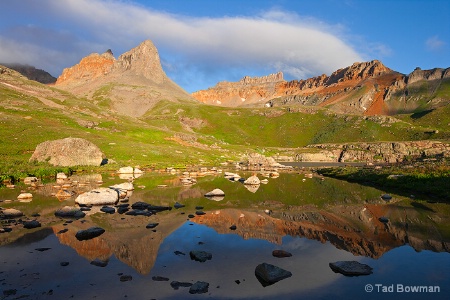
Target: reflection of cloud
[(434, 43), (200, 45)]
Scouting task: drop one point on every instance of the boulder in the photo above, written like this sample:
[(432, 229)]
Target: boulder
[(69, 212), (68, 152), (127, 186), (350, 268), (89, 233), (100, 196), (268, 274), (12, 213), (252, 180)]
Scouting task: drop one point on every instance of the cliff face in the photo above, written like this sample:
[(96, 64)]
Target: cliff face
[(133, 82), (367, 88)]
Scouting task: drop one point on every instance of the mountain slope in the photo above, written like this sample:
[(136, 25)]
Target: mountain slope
[(130, 85), (368, 88)]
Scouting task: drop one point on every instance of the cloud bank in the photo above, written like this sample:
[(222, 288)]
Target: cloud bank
[(196, 51)]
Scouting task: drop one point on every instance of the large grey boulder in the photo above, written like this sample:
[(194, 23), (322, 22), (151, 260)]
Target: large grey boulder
[(100, 196), (68, 152)]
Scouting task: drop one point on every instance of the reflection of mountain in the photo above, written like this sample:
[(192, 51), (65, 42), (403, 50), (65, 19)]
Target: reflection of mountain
[(128, 240), (356, 229)]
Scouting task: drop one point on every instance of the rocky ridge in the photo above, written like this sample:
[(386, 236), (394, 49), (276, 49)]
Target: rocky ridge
[(131, 84), (32, 73), (367, 88)]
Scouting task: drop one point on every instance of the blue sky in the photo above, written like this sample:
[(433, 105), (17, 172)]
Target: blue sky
[(202, 42)]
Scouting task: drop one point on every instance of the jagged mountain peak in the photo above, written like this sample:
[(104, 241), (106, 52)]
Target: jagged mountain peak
[(134, 82)]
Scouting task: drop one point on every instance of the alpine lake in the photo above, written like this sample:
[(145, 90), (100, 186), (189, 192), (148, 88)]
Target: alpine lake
[(313, 220)]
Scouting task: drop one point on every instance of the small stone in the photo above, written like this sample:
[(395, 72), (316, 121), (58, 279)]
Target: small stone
[(177, 284), (281, 253), (200, 213), (199, 207), (178, 205), (89, 233), (351, 268), (152, 225), (386, 197), (200, 256), (108, 209), (190, 216), (99, 263), (160, 278), (233, 227), (64, 263), (31, 224), (200, 287), (124, 278), (42, 249), (179, 253)]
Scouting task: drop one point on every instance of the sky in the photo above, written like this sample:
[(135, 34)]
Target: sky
[(203, 42)]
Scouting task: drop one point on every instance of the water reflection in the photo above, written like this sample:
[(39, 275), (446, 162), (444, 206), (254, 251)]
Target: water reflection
[(317, 220)]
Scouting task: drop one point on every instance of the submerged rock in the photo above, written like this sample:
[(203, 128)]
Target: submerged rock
[(200, 256), (177, 284), (281, 253), (268, 274), (200, 287), (351, 268), (89, 233)]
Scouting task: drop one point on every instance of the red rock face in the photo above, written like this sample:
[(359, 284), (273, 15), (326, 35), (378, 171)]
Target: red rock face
[(90, 67), (362, 88)]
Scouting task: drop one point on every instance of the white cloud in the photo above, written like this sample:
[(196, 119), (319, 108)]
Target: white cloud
[(434, 43), (205, 46)]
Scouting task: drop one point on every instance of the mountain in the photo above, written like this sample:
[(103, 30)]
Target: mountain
[(131, 84), (367, 88), (32, 73)]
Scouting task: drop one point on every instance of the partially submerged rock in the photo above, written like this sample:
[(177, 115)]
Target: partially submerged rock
[(281, 253), (100, 196), (200, 256), (69, 212), (252, 180), (31, 224), (268, 274), (11, 213), (215, 192), (200, 287), (25, 196), (351, 268)]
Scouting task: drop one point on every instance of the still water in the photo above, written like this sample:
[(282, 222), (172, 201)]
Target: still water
[(317, 220)]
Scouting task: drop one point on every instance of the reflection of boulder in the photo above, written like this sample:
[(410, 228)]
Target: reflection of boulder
[(252, 188)]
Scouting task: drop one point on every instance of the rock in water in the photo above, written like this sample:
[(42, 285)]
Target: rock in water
[(11, 213), (351, 268), (268, 274), (100, 196), (200, 256), (89, 233), (69, 212), (215, 192), (252, 180), (200, 287), (68, 152)]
